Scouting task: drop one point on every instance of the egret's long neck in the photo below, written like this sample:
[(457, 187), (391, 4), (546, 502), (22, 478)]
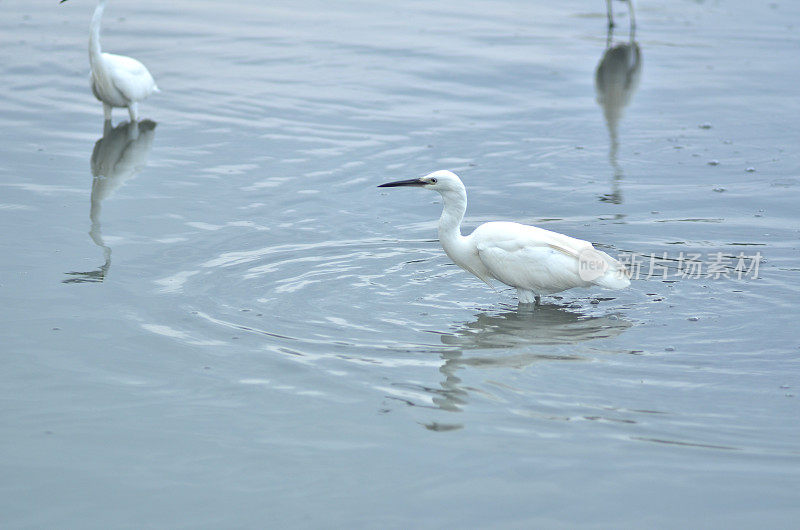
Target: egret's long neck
[(455, 205), (94, 34)]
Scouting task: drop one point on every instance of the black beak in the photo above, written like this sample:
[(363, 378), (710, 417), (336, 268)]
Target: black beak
[(62, 1), (410, 182)]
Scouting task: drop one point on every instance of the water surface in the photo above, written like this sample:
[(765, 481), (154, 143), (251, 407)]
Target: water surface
[(214, 318)]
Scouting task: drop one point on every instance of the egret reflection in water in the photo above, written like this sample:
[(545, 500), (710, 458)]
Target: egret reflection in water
[(549, 325), (610, 12), (117, 157), (616, 79)]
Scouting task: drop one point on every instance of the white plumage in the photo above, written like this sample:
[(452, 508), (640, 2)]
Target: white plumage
[(533, 260), (117, 80)]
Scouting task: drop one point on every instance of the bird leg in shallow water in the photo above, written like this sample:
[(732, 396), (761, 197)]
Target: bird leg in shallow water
[(532, 306), (528, 297), (133, 112), (107, 112)]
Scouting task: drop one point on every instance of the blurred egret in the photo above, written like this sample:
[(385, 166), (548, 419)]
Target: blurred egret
[(533, 260), (117, 80)]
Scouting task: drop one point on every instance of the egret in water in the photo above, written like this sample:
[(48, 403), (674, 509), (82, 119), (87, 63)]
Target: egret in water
[(533, 260), (117, 80)]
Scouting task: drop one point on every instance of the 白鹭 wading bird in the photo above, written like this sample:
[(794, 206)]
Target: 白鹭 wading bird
[(117, 80), (533, 260)]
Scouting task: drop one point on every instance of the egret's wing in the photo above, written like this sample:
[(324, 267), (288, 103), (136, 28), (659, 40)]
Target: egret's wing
[(539, 269), (513, 236), (130, 77), (529, 257)]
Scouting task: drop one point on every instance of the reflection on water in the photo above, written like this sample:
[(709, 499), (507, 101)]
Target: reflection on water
[(616, 79), (547, 325), (610, 10), (258, 363), (117, 157)]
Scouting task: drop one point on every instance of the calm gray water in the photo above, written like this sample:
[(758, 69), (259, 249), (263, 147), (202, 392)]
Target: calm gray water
[(230, 326)]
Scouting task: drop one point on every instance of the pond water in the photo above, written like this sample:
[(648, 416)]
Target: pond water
[(215, 319)]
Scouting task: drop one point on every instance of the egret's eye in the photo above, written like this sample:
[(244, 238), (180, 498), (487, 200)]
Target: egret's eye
[(433, 181)]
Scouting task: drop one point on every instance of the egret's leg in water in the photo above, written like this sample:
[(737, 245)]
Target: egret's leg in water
[(610, 14), (133, 130), (107, 111), (133, 112), (527, 297)]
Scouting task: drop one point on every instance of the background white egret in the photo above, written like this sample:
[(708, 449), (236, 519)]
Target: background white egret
[(117, 80), (533, 260)]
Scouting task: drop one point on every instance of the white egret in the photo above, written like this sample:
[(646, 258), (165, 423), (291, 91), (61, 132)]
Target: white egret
[(533, 260), (117, 80)]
